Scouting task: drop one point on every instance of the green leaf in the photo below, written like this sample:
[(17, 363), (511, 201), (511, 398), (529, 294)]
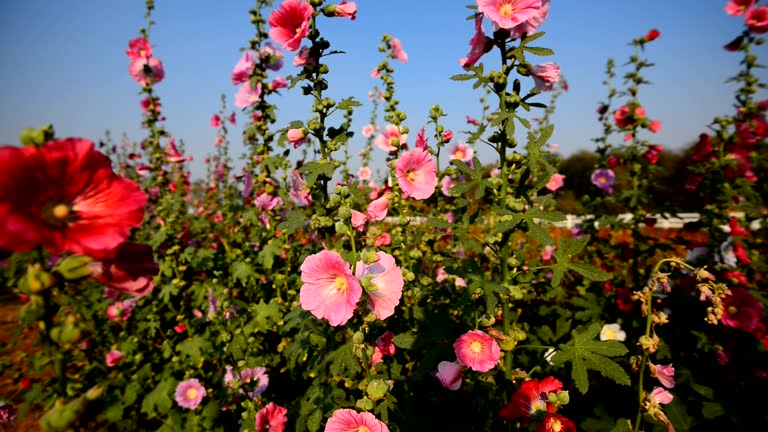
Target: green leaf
[(242, 271), (404, 340), (266, 315), (566, 249), (622, 425), (438, 223), (585, 353), (158, 401), (193, 348), (462, 77), (294, 220), (314, 419), (539, 51), (312, 170), (348, 103), (266, 256)]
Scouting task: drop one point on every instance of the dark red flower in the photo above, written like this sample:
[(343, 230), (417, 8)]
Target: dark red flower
[(129, 272), (529, 398), (555, 423), (64, 196), (741, 310), (652, 35)]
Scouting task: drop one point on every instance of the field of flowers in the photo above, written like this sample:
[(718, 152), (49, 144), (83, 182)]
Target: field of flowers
[(298, 294)]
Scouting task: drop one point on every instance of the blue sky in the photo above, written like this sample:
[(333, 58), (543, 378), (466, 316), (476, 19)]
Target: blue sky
[(64, 63)]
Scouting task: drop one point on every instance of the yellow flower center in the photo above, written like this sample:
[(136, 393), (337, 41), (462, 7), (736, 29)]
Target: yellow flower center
[(339, 284), (555, 425), (410, 175), (476, 347), (610, 334), (363, 429), (732, 310), (60, 212), (191, 393), (506, 10)]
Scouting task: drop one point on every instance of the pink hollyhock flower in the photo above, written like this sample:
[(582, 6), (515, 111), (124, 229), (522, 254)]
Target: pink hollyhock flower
[(345, 10), (375, 73), (471, 120), (556, 423), (626, 117), (189, 393), (266, 201), (741, 310), (738, 7), (740, 253), (652, 154), (449, 374), (130, 271), (447, 136), (546, 254), (529, 398), (665, 374), (215, 121), (329, 288), (398, 52), (347, 420), (529, 26), (359, 220), (545, 76), (655, 126), (146, 70), (180, 328), (391, 139), (271, 56), (297, 137), (603, 179), (462, 152), (416, 173), (246, 376), (367, 130), (703, 148), (147, 103), (757, 19), (446, 184), (508, 14), (233, 119), (271, 418), (242, 71), (364, 173), (555, 182), (65, 197), (113, 358), (421, 140), (247, 94), (385, 345), (290, 23), (377, 209), (139, 48), (172, 152), (477, 44), (661, 395), (384, 283), (476, 350), (303, 58), (299, 192), (278, 83), (383, 240)]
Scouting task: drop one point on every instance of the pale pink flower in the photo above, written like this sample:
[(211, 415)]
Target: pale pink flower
[(545, 76), (757, 19), (477, 350), (375, 73), (359, 220), (471, 120), (462, 152), (383, 240), (303, 58), (297, 137), (666, 375), (383, 282), (529, 26), (242, 71), (449, 374), (508, 14), (172, 153), (441, 275), (661, 395), (364, 173), (391, 139), (738, 7), (114, 357), (546, 254), (348, 420), (271, 418), (398, 52), (447, 183), (247, 95), (189, 393), (459, 282), (146, 70), (346, 10), (377, 209), (278, 83), (271, 57), (329, 288), (299, 192), (367, 130), (290, 23), (215, 121), (416, 173), (555, 182), (477, 44)]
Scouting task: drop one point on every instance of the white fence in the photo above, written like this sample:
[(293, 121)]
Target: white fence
[(662, 222)]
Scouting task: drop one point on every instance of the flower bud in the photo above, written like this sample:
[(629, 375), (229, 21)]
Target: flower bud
[(370, 257), (73, 267), (377, 389), (37, 280)]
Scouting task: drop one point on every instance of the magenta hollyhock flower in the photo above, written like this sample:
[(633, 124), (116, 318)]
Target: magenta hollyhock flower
[(627, 117), (477, 350), (65, 197), (421, 140), (146, 70), (377, 209), (242, 71), (666, 375), (477, 45), (348, 420), (248, 375), (757, 19), (113, 358), (741, 310), (172, 152), (303, 58), (391, 139), (603, 178), (449, 374), (345, 10), (529, 398), (290, 23), (271, 418), (189, 393), (329, 288), (384, 283), (555, 182), (139, 48), (299, 192), (233, 118), (529, 26), (247, 95), (462, 152), (129, 272), (661, 395), (738, 7), (508, 14), (272, 57), (471, 120), (398, 52), (278, 83), (546, 76), (416, 173), (655, 126), (652, 154), (215, 121)]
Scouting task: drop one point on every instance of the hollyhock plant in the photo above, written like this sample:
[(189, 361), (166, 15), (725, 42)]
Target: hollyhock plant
[(416, 173), (189, 393), (345, 10), (462, 152), (555, 182), (556, 423), (271, 418), (661, 395), (242, 71), (129, 272), (603, 178), (665, 374), (529, 26), (477, 350), (139, 48), (508, 14), (329, 288), (530, 398), (113, 358), (398, 52), (290, 23), (391, 139), (478, 45), (741, 310), (347, 420), (449, 374), (377, 209), (546, 76), (757, 19), (71, 201), (383, 282), (247, 95), (627, 117), (738, 7), (146, 71)]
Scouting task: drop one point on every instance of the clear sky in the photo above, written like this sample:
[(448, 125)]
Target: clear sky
[(64, 63)]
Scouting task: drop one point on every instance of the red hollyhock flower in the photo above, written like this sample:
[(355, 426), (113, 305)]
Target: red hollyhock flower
[(741, 310), (129, 272), (652, 35), (529, 398), (556, 423), (64, 196)]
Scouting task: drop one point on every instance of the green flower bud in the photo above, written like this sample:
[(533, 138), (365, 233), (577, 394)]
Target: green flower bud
[(344, 213), (37, 280), (341, 227), (370, 257), (486, 320), (377, 389), (364, 404), (410, 277), (358, 338), (74, 267)]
